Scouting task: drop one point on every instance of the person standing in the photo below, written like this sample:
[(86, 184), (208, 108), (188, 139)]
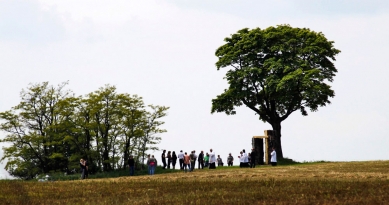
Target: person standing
[(193, 158), (148, 164), (186, 162), (230, 160), (212, 159), (152, 163), (206, 160), (253, 158), (200, 160), (219, 161), (174, 160), (163, 156), (82, 166), (169, 159), (181, 160), (155, 164), (273, 159), (245, 159), (131, 164)]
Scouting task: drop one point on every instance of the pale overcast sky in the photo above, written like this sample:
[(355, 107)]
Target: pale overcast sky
[(163, 50)]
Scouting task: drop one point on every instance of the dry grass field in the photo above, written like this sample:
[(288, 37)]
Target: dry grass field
[(312, 183)]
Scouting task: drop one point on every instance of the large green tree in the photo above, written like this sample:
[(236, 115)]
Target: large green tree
[(105, 110), (275, 72)]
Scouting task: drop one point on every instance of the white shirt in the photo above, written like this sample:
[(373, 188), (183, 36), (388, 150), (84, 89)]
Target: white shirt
[(273, 156), (212, 157), (181, 155), (245, 157)]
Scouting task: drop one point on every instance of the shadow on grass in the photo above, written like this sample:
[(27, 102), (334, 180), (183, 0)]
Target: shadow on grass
[(287, 161)]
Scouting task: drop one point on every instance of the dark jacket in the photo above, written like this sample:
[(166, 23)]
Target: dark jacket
[(131, 162), (174, 157), (201, 157), (253, 156)]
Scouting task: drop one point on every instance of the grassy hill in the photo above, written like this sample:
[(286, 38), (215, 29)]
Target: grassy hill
[(307, 183)]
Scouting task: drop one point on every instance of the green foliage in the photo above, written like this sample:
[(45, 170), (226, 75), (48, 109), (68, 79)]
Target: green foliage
[(275, 72), (51, 129), (284, 66)]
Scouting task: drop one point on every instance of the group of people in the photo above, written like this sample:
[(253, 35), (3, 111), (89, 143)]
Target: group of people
[(249, 160), (187, 161)]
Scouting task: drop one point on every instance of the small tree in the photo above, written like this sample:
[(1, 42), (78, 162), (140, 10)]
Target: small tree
[(131, 123), (151, 129), (275, 72)]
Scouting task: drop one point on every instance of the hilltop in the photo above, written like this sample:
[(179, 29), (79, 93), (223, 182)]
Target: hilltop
[(306, 183)]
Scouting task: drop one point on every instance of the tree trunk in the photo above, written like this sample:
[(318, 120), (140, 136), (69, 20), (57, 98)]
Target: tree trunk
[(277, 139), (126, 153), (106, 161)]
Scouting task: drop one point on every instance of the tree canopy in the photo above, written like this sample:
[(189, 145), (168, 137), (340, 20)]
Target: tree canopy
[(275, 72), (51, 129)]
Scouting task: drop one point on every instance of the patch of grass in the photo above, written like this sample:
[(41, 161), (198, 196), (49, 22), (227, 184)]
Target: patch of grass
[(314, 183), (140, 172), (59, 176)]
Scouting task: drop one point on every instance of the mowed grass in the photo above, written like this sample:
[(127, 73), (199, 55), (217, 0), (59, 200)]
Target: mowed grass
[(316, 183)]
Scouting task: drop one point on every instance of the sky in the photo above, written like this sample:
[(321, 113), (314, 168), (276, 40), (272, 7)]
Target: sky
[(163, 50)]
